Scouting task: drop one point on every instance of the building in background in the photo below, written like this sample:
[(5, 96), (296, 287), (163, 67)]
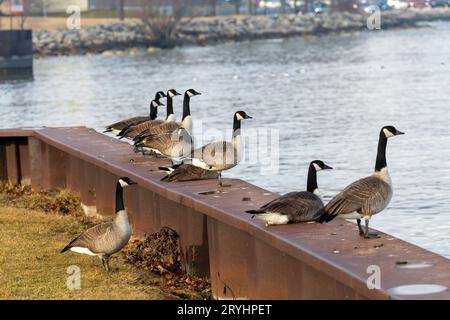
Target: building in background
[(44, 7)]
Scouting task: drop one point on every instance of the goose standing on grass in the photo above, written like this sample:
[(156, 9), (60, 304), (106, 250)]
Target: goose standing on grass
[(105, 239), (134, 130), (172, 126), (117, 127), (294, 207), (221, 155), (366, 197)]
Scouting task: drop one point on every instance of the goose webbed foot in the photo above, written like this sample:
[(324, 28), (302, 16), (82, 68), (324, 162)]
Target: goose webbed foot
[(371, 235), (105, 262), (367, 234), (361, 230), (221, 185)]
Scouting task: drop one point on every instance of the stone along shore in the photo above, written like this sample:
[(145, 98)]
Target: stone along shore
[(124, 36)]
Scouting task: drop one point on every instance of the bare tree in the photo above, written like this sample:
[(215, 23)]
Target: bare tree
[(251, 5), (282, 6), (163, 20), (122, 10), (213, 4), (1, 13), (237, 6), (342, 5)]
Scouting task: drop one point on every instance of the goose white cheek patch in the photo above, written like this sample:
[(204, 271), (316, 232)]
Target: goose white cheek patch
[(387, 133), (239, 117), (123, 183), (317, 167)]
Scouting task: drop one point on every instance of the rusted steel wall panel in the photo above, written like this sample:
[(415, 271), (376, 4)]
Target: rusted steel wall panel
[(228, 251), (75, 175), (12, 161), (18, 132), (105, 192), (194, 242), (37, 164), (24, 160), (88, 186), (56, 167), (146, 220), (3, 165)]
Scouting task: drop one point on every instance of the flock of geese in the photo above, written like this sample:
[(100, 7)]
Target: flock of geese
[(168, 138)]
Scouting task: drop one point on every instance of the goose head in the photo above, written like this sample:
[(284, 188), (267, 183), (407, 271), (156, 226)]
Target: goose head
[(241, 115), (192, 92), (160, 95), (390, 131), (172, 93), (125, 182), (320, 165), (156, 104)]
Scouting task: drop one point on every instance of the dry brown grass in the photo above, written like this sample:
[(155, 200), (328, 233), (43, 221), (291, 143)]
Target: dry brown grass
[(31, 266), (34, 227)]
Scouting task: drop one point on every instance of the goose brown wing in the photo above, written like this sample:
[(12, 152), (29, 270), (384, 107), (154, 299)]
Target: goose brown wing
[(120, 125), (219, 153), (166, 127), (134, 130), (170, 144), (368, 195), (187, 172), (91, 237), (299, 206)]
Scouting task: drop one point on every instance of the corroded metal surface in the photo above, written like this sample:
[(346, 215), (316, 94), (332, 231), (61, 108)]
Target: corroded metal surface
[(243, 258)]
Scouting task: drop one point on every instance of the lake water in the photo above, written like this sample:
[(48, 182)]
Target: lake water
[(328, 97)]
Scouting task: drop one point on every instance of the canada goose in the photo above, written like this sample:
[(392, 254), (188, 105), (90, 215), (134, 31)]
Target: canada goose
[(176, 144), (134, 130), (294, 206), (187, 172), (105, 239), (366, 197), (221, 155), (172, 126), (119, 126)]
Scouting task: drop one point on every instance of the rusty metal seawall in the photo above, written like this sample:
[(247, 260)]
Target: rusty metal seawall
[(244, 259)]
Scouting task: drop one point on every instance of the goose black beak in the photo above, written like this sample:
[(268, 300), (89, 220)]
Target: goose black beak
[(399, 133), (327, 167), (131, 182), (248, 117)]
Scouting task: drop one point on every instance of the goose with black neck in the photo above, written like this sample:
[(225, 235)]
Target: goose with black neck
[(186, 122), (133, 131), (221, 155), (294, 207), (365, 197), (105, 239), (117, 127)]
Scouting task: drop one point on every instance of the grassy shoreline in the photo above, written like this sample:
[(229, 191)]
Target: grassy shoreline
[(31, 266), (34, 227)]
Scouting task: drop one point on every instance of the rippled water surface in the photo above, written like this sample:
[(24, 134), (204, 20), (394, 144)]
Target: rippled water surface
[(328, 96)]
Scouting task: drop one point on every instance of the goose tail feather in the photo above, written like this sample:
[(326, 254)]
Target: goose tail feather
[(324, 216)]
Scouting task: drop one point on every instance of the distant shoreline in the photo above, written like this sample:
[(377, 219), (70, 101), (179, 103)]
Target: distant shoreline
[(116, 38)]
